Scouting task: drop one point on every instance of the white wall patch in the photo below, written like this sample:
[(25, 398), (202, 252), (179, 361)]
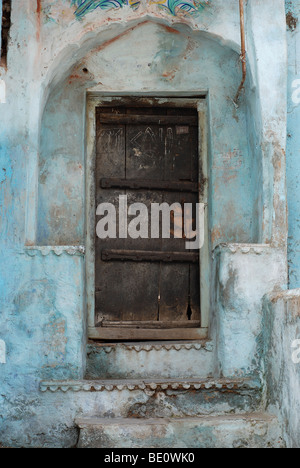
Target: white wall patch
[(2, 92), (296, 93), (2, 352)]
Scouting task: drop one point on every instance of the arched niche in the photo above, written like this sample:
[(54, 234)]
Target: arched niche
[(150, 58)]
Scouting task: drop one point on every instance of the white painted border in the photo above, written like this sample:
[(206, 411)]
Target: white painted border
[(95, 100), (2, 92)]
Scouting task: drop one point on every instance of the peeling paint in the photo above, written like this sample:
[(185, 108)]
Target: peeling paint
[(159, 49), (291, 21)]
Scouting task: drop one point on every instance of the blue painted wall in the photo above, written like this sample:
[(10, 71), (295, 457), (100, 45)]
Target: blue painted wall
[(293, 142), (42, 296), (0, 22)]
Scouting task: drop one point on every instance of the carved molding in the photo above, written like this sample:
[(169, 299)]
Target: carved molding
[(43, 251), (148, 347), (146, 385), (245, 249)]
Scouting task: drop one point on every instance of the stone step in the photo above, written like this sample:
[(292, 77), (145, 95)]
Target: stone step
[(157, 398), (231, 431), (166, 360)]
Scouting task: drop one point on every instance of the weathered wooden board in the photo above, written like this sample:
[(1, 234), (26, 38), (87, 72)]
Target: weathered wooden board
[(149, 256), (127, 119), (151, 156), (140, 184), (155, 324)]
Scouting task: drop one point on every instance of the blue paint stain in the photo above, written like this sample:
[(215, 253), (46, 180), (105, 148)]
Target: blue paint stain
[(188, 6), (87, 6)]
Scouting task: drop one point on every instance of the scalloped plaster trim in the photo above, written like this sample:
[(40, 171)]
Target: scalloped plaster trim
[(257, 249), (148, 347), (146, 385), (72, 250)]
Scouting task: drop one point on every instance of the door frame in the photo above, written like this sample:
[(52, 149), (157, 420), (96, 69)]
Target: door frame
[(95, 100)]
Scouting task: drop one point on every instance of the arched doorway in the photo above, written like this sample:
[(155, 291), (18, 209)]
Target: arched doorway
[(149, 60)]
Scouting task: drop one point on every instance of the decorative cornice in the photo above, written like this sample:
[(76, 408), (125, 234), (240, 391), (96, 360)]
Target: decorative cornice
[(147, 385), (148, 347), (72, 250)]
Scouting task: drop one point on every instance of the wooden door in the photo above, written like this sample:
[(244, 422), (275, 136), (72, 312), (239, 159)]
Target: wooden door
[(147, 288)]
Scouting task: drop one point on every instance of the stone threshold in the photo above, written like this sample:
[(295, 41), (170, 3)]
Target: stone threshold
[(250, 430), (249, 417)]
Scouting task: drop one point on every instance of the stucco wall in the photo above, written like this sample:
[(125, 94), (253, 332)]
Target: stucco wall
[(164, 61), (281, 330), (293, 142), (281, 326), (42, 303)]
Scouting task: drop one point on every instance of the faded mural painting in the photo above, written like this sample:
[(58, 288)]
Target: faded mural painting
[(174, 7)]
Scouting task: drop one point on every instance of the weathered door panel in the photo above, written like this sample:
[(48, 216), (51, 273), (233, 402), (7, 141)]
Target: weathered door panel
[(151, 156)]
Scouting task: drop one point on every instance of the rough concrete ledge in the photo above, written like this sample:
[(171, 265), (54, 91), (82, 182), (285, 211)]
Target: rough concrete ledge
[(152, 385), (257, 430)]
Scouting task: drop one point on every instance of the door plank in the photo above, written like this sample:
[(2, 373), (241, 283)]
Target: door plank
[(175, 280), (110, 162), (155, 324), (144, 152), (125, 119), (143, 160), (128, 293), (139, 184), (149, 256)]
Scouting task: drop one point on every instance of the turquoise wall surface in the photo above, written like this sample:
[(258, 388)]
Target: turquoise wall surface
[(42, 173), (293, 142)]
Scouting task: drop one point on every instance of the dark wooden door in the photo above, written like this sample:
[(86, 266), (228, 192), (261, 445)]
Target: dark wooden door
[(151, 156)]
